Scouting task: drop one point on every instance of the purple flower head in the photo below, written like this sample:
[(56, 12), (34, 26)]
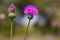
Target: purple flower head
[(12, 8), (30, 9)]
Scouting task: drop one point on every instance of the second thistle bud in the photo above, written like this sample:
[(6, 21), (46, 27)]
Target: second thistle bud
[(12, 9), (30, 17), (11, 15)]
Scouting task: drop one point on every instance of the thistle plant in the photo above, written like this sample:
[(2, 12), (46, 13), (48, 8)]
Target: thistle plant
[(11, 16), (30, 10)]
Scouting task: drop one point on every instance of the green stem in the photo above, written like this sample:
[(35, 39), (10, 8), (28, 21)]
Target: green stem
[(27, 30), (11, 30)]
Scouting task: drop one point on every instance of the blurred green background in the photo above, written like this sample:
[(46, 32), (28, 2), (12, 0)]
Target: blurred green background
[(44, 26)]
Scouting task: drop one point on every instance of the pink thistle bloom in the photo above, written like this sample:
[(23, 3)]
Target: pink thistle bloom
[(30, 9), (12, 8)]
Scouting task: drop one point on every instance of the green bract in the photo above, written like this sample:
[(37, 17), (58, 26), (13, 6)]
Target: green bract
[(30, 17), (11, 15)]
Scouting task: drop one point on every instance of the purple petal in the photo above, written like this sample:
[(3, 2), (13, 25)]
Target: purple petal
[(12, 8), (30, 9)]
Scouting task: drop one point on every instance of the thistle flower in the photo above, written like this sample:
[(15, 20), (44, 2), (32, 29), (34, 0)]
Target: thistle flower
[(30, 9), (12, 8), (11, 15)]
